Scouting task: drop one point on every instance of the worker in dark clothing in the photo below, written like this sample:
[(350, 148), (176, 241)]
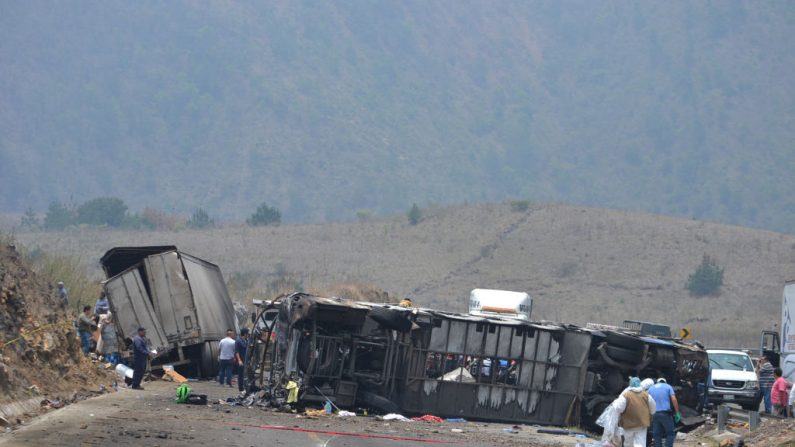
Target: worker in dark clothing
[(140, 357), (241, 344)]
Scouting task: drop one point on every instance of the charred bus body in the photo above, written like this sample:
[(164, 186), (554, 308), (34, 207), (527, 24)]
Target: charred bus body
[(418, 361)]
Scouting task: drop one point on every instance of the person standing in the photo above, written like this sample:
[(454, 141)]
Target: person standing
[(85, 326), (666, 414), (636, 408), (241, 345), (764, 370), (140, 358), (226, 348), (102, 306), (778, 394), (110, 341), (63, 294)]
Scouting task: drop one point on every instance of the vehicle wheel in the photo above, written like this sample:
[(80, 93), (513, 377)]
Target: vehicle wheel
[(614, 383), (663, 358), (624, 341), (624, 355), (391, 318), (209, 359), (376, 402)]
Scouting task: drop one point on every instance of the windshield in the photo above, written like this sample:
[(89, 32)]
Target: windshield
[(734, 362)]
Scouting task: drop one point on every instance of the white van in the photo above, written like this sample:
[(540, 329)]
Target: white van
[(500, 303), (733, 379)]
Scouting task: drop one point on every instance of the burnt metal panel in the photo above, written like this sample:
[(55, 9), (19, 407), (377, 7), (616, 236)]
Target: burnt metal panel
[(550, 363), (211, 299), (132, 308)]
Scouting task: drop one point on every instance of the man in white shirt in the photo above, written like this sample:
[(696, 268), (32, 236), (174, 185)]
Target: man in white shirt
[(226, 348)]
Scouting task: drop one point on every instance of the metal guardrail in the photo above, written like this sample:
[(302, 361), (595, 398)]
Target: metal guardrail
[(727, 414)]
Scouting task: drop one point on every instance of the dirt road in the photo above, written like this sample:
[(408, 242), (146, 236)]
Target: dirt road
[(151, 417)]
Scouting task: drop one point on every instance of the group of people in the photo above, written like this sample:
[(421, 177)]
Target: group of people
[(776, 398), (232, 353), (647, 404), (91, 319)]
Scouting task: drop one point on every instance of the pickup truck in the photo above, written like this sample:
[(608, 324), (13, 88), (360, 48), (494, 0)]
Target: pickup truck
[(733, 379)]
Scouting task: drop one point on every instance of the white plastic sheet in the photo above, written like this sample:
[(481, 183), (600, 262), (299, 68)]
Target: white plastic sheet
[(611, 436)]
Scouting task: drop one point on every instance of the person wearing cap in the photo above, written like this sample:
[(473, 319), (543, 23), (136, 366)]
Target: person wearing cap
[(102, 305), (63, 293), (241, 345), (140, 357), (636, 408), (666, 414)]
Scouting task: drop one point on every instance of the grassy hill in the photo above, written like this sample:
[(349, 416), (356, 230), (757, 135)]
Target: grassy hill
[(324, 108), (581, 264)]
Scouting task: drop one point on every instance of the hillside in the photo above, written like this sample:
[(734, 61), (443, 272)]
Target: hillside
[(581, 264), (325, 108), (39, 351)]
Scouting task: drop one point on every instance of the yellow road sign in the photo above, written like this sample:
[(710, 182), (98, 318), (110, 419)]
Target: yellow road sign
[(685, 333)]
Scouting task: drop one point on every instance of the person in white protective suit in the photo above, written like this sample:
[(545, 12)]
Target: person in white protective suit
[(636, 408)]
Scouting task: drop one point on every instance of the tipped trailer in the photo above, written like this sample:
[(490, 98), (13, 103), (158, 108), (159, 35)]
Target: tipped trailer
[(418, 361), (180, 299)]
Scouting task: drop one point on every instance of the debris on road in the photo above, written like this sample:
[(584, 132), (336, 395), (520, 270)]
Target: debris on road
[(428, 418)]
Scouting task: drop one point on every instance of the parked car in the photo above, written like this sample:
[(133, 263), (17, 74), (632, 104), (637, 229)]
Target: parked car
[(733, 379)]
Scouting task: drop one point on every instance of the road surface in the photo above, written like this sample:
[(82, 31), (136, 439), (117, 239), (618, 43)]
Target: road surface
[(151, 417)]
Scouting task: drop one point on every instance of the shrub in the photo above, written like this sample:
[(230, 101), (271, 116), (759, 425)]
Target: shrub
[(30, 221), (58, 216), (707, 279), (364, 215), (265, 215), (71, 270), (200, 219), (160, 220), (414, 215), (519, 206), (108, 211)]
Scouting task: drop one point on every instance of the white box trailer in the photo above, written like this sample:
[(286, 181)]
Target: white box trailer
[(180, 299), (500, 303), (780, 348)]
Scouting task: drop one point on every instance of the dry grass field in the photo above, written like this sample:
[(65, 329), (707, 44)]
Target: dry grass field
[(580, 264)]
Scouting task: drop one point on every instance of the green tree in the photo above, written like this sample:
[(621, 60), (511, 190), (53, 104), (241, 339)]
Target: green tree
[(30, 220), (200, 219), (108, 211), (707, 279), (58, 216), (414, 215), (265, 215)]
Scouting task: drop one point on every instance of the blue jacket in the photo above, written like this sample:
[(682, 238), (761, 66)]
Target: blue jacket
[(140, 351)]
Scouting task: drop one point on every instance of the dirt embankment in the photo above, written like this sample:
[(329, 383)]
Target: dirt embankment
[(39, 351)]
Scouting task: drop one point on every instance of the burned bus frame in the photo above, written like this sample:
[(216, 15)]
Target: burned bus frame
[(418, 361)]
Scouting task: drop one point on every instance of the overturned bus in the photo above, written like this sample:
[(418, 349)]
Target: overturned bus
[(180, 299), (418, 361)]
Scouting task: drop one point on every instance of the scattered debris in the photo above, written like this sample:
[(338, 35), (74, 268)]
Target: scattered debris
[(393, 417), (428, 418)]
